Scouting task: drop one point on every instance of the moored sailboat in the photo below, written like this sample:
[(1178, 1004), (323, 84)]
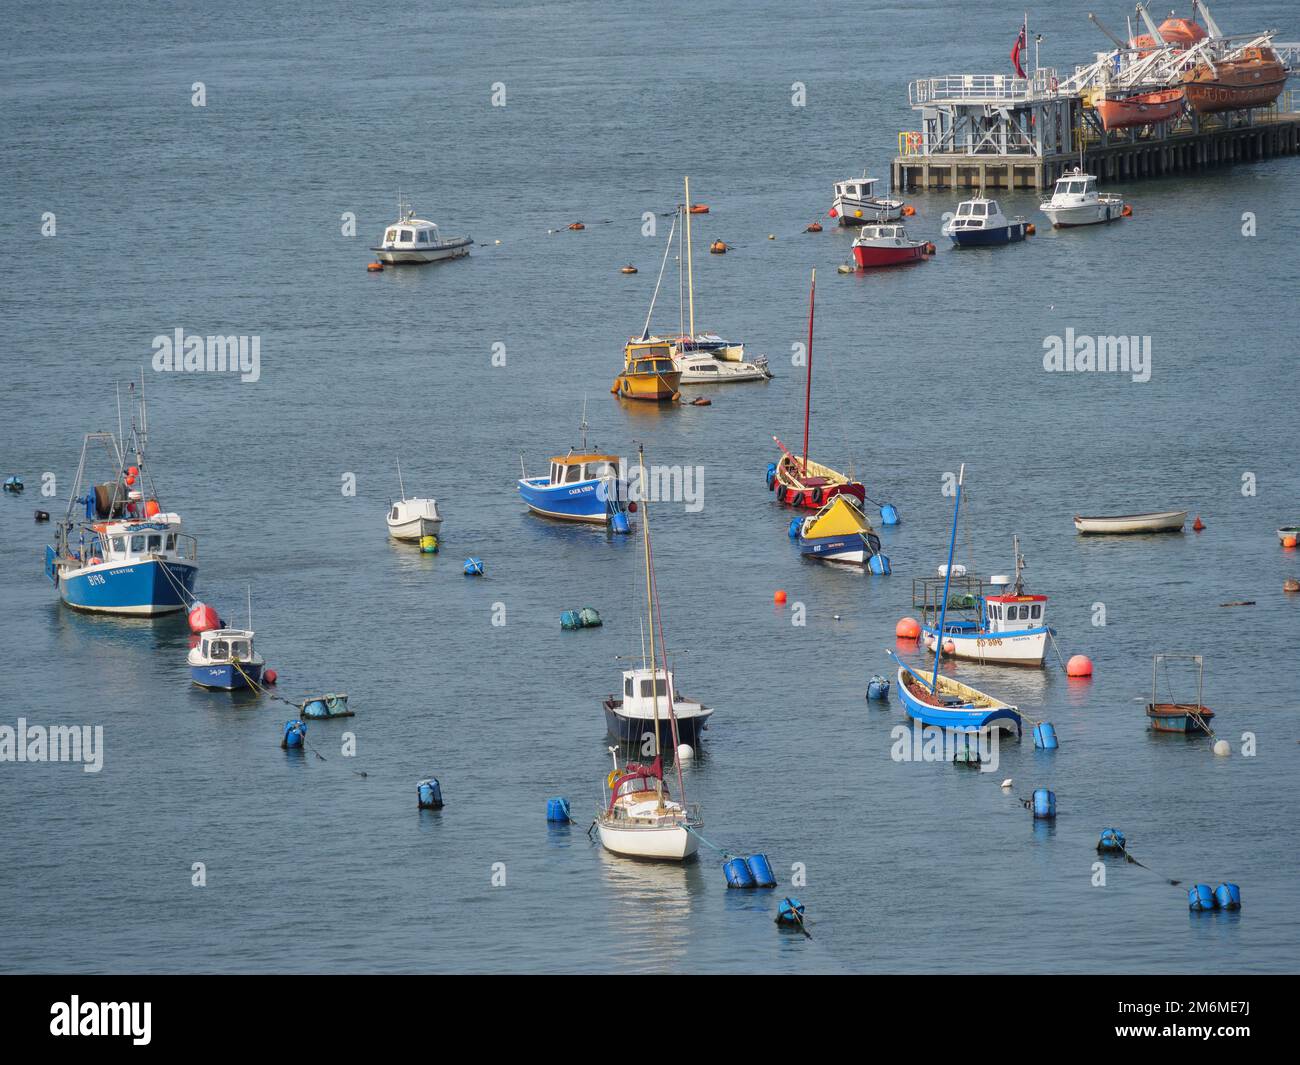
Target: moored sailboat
[(639, 818), (797, 480)]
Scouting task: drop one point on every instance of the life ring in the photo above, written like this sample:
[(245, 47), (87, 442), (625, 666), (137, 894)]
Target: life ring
[(912, 141), (613, 776)]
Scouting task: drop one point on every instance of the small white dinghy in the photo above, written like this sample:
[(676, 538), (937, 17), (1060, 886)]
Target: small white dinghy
[(414, 518), (1164, 521)]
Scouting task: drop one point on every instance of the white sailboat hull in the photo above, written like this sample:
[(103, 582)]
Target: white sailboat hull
[(662, 842)]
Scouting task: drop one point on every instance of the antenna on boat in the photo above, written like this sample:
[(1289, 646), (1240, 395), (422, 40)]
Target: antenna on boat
[(1019, 587), (250, 607), (121, 436), (583, 426), (402, 487)]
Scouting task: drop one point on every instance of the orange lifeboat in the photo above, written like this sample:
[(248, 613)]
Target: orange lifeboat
[(1121, 112), (1255, 79)]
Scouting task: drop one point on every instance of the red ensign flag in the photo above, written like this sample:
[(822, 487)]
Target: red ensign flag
[(1015, 52)]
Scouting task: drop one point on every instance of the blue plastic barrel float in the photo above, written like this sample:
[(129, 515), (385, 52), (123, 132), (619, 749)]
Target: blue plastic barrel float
[(1200, 897), (473, 567), (569, 620), (793, 530), (1227, 897), (13, 484), (888, 514), (618, 522), (738, 873), (429, 794), (878, 564), (557, 809), (315, 708), (771, 475), (878, 687), (789, 911), (1044, 803), (589, 618), (1045, 736), (761, 870), (294, 733), (1111, 842)]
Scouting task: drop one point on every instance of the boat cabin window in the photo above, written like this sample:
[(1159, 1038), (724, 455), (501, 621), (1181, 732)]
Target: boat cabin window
[(390, 236), (171, 541), (424, 236), (217, 649), (979, 209), (601, 469), (627, 687), (393, 515), (119, 544), (137, 544), (634, 784), (1037, 611), (1090, 186), (239, 649), (649, 689), (155, 542), (408, 235), (573, 474), (963, 210)]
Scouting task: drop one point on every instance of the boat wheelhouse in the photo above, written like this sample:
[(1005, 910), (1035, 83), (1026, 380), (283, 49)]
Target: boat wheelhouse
[(980, 222), (224, 660), (1076, 202), (631, 718), (414, 518), (417, 240), (856, 203)]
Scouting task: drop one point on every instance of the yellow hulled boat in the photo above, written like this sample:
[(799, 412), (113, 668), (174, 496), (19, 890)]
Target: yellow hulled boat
[(648, 372)]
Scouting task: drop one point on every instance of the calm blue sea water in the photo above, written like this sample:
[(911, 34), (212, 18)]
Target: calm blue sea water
[(227, 219)]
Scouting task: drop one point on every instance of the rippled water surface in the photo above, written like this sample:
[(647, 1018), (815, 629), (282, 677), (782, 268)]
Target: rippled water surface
[(227, 219)]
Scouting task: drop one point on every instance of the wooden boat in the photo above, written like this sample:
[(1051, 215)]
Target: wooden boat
[(798, 481), (1121, 524), (953, 704), (1187, 718), (943, 701), (1121, 112), (1254, 78), (639, 819)]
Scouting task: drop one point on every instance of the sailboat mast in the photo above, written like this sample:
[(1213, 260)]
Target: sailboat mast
[(650, 611), (690, 277), (807, 396), (947, 580)]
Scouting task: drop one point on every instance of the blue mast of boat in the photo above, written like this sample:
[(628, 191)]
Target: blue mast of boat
[(947, 580)]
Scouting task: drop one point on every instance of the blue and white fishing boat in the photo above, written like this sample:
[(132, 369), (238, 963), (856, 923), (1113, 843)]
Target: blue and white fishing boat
[(839, 532), (584, 485), (224, 660), (1002, 628), (980, 222), (941, 701), (117, 551)]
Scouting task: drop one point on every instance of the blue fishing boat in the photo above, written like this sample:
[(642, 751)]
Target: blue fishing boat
[(224, 660), (981, 223), (583, 485), (942, 701), (117, 551)]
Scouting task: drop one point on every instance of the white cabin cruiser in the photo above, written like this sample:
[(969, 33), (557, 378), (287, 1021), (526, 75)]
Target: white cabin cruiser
[(416, 240), (645, 703), (224, 660), (1076, 202), (856, 203), (412, 518), (710, 367), (980, 222)]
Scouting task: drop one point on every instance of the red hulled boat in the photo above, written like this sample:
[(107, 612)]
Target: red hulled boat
[(888, 246)]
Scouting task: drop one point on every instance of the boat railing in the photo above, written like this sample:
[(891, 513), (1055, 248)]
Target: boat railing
[(1003, 88), (927, 595)]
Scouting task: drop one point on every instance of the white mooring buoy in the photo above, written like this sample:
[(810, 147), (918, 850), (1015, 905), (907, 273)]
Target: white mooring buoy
[(1222, 748), (1006, 783), (685, 752)]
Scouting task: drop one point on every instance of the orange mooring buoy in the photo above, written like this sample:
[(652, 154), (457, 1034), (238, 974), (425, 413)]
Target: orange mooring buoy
[(813, 227), (778, 596), (718, 248), (930, 249), (628, 269), (907, 629), (1079, 666), (1198, 525), (1030, 230), (699, 208), (576, 225), (908, 210), (1128, 211), (374, 267), (700, 401)]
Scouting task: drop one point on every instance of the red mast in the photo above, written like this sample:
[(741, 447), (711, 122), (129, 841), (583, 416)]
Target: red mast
[(807, 398)]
